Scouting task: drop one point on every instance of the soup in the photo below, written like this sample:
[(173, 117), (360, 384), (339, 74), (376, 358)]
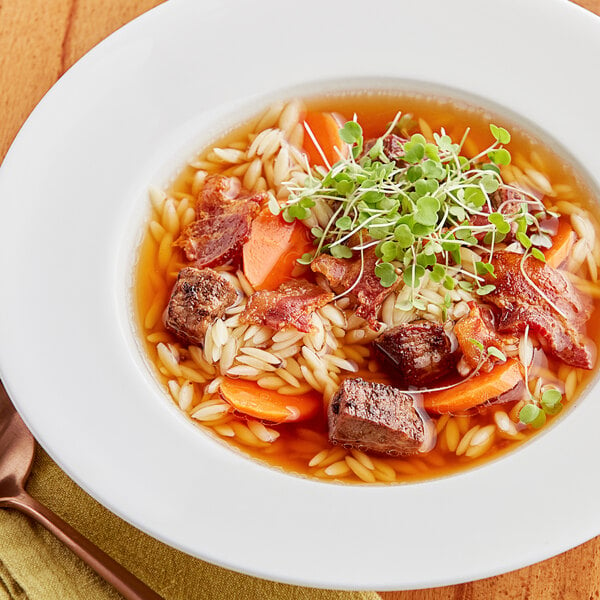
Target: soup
[(358, 294)]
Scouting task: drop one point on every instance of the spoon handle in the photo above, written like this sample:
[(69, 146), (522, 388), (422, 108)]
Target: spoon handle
[(111, 571)]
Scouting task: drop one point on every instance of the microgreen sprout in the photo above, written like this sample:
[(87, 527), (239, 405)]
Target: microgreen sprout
[(534, 413), (489, 352), (419, 205), (537, 408), (551, 401)]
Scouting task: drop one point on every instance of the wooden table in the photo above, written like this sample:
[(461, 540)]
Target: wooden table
[(39, 40)]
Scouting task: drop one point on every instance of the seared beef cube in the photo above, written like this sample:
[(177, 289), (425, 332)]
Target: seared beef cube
[(416, 353), (199, 297), (374, 416)]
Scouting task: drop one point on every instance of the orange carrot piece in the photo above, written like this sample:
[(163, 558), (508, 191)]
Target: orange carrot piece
[(271, 252), (325, 128), (475, 391), (249, 398), (562, 243)]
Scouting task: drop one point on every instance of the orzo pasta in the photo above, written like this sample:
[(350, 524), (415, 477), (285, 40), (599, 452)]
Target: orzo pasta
[(359, 294)]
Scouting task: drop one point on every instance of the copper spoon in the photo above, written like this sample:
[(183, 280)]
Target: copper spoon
[(17, 448)]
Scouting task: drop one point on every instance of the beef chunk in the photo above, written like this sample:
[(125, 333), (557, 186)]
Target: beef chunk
[(199, 297), (416, 353), (292, 303), (376, 417)]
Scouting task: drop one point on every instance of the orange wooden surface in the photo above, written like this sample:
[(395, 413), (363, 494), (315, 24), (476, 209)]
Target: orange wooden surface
[(39, 40)]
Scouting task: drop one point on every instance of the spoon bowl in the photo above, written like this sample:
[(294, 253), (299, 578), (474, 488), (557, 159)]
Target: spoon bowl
[(17, 449)]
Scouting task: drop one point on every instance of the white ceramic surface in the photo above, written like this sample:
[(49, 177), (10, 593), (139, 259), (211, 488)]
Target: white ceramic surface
[(72, 197)]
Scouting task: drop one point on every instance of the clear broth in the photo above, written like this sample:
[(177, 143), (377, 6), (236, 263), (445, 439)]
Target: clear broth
[(299, 443)]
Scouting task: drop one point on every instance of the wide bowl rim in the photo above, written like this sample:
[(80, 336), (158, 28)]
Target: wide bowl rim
[(135, 46)]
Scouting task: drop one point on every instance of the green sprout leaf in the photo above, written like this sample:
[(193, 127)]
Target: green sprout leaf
[(306, 203), (306, 258), (458, 212), (377, 150), (489, 183), (493, 351), (296, 211), (287, 216), (388, 251), (490, 167), (501, 156), (445, 144), (476, 343), (500, 134), (414, 173), (351, 133), (524, 240), (386, 273), (343, 188), (532, 415), (485, 289), (464, 233), (414, 150), (412, 277), (427, 209), (438, 272), (483, 268), (340, 251), (404, 236), (425, 260), (344, 223), (432, 152), (500, 222), (551, 401), (449, 283), (538, 254), (475, 196)]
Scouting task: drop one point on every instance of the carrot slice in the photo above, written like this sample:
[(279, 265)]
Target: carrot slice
[(562, 243), (271, 252), (475, 391), (325, 127), (248, 398)]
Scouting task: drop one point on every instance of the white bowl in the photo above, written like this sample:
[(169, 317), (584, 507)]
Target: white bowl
[(73, 190)]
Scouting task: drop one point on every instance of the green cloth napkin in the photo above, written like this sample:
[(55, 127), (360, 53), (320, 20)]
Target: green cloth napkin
[(35, 566)]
